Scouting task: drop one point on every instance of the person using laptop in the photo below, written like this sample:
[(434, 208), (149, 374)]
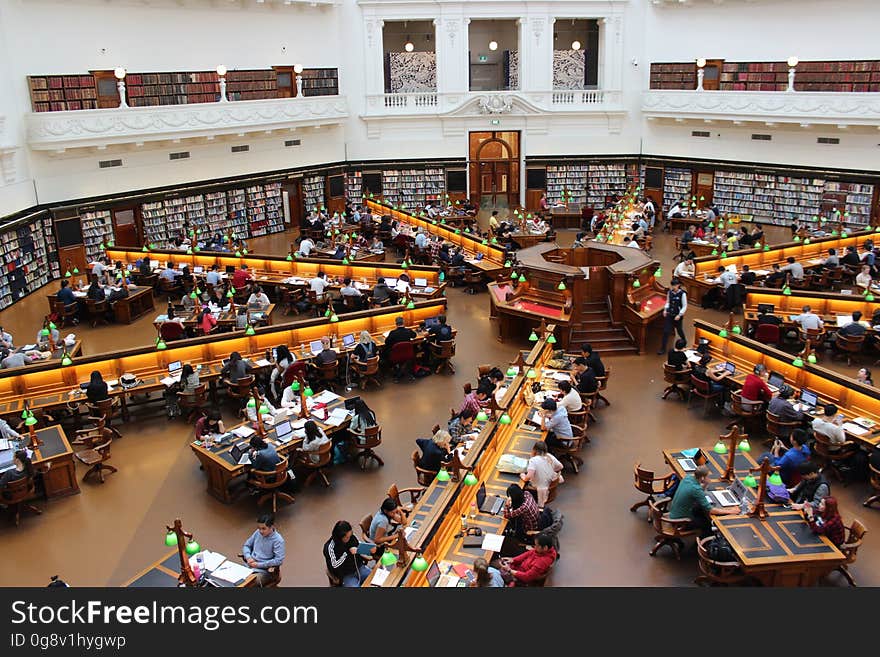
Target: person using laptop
[(326, 355), (364, 418), (782, 408), (381, 292), (350, 291), (189, 379), (440, 332), (531, 565), (690, 502), (22, 468), (853, 328), (812, 488), (386, 522), (234, 369), (264, 549), (400, 333), (522, 509), (808, 320), (213, 278), (319, 284), (341, 556), (366, 348), (241, 277), (713, 377), (754, 389), (209, 424), (7, 432), (794, 268), (543, 469), (262, 454), (677, 357), (829, 425), (258, 299), (435, 451), (315, 438)]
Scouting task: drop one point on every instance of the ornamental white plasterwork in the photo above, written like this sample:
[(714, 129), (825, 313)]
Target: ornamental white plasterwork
[(781, 105), (58, 130), (495, 104), (7, 164), (538, 25), (452, 26), (373, 28)]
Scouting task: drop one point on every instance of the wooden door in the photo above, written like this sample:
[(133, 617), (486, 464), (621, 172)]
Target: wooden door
[(285, 81), (73, 258), (106, 89), (293, 187), (712, 74), (704, 187), (125, 227)]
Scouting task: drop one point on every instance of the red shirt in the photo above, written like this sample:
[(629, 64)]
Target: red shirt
[(755, 389), (240, 278), (531, 566)]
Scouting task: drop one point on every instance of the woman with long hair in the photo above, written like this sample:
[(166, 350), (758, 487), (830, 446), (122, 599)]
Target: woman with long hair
[(827, 521), (341, 557), (486, 575), (23, 468)]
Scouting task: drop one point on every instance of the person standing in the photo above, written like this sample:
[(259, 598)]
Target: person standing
[(673, 312)]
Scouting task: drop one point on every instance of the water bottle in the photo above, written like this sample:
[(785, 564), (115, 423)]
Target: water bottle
[(473, 511), (200, 566), (744, 505)]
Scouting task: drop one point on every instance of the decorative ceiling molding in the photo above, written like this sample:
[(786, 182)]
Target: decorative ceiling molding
[(103, 127)]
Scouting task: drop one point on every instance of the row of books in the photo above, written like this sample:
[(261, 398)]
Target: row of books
[(30, 259), (413, 188)]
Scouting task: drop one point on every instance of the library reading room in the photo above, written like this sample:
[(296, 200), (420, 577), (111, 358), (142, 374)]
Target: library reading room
[(442, 293)]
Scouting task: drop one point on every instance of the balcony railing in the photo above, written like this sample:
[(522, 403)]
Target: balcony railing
[(411, 100), (136, 125)]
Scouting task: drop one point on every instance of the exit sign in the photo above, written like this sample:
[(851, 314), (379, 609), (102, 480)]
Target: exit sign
[(495, 122), (484, 58)]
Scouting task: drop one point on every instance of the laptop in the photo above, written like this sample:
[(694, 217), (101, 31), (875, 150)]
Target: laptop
[(198, 270), (730, 367), (316, 347), (479, 257), (240, 453), (391, 282), (6, 456), (348, 340), (765, 308), (283, 430), (438, 580), (230, 269), (775, 381), (687, 465), (174, 368), (431, 322), (730, 496), (491, 505), (809, 399), (421, 282)]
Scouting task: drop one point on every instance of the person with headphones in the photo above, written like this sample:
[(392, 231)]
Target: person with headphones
[(755, 388)]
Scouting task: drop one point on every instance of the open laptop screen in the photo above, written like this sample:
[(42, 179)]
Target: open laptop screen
[(433, 574), (315, 346), (809, 397)]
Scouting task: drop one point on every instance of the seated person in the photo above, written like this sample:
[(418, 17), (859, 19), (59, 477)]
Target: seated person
[(435, 451), (532, 565), (97, 390), (7, 432), (829, 425), (145, 268), (461, 424), (485, 575), (754, 388), (583, 377), (854, 328), (326, 355), (65, 294), (826, 520), (22, 469), (400, 333), (314, 440), (851, 257), (95, 292), (684, 268), (364, 418), (381, 291), (389, 517), (594, 362), (688, 235), (235, 368), (366, 347), (677, 357), (522, 509), (788, 459), (264, 549), (554, 420), (782, 408), (341, 557), (795, 268), (543, 470), (864, 376), (473, 401), (690, 502), (812, 488), (776, 277), (570, 398), (863, 279), (5, 339), (263, 455), (258, 299), (713, 377), (11, 359), (747, 277), (441, 332)]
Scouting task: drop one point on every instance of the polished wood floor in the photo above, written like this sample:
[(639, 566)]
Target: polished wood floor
[(109, 532)]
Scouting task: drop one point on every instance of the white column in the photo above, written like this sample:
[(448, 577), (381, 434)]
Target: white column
[(374, 63), (452, 54), (536, 57), (611, 64)]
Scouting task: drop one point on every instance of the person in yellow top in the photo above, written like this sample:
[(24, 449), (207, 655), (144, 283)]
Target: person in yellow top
[(493, 222)]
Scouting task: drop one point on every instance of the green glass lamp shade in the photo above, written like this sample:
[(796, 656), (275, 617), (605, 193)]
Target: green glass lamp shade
[(833, 233), (484, 242), (806, 241), (66, 360), (389, 558), (103, 246), (481, 416), (532, 374), (711, 225), (308, 392), (75, 269), (336, 232), (714, 251), (295, 386), (812, 359), (561, 286), (737, 329), (507, 263), (796, 239), (720, 448), (798, 362), (197, 249), (443, 475), (434, 222), (145, 249), (843, 233), (45, 333), (193, 548), (495, 239), (750, 481), (766, 247), (658, 272), (636, 283), (744, 446), (353, 236), (458, 231), (67, 274), (786, 290), (410, 306), (693, 198), (252, 403), (189, 252), (419, 564), (193, 295), (511, 371), (533, 337), (229, 294), (722, 333), (757, 245), (244, 251), (504, 419), (264, 410), (160, 344), (31, 421), (869, 297), (25, 414), (702, 198), (52, 326), (250, 330), (152, 246), (470, 479), (110, 244), (551, 339), (442, 276), (328, 312), (522, 276), (877, 229), (403, 265), (170, 539), (775, 479), (334, 317)]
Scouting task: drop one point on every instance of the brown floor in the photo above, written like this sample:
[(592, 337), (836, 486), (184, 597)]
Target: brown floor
[(109, 532)]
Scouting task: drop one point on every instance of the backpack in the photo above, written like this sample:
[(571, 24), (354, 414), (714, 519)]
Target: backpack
[(719, 550), (420, 370)]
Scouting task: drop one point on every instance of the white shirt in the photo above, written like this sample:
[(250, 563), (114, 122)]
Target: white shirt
[(258, 300), (633, 244), (318, 285), (289, 398), (833, 431), (571, 401), (863, 279), (809, 321), (727, 278), (683, 269), (350, 291), (306, 246)]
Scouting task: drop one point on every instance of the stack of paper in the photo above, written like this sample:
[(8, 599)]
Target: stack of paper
[(325, 397), (337, 416), (493, 542), (263, 363), (561, 376), (244, 431), (854, 428), (379, 577), (231, 572), (169, 381)]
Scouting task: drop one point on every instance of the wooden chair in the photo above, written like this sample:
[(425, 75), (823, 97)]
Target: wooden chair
[(319, 304), (701, 389), (423, 477), (645, 482), (364, 524), (679, 382), (747, 414), (588, 399), (16, 496), (328, 374), (372, 438), (402, 359), (290, 300), (442, 353), (67, 315), (874, 479), (274, 572), (779, 429), (725, 573), (847, 345), (169, 288), (579, 418), (333, 580), (669, 532), (474, 281), (570, 455), (241, 390), (171, 331), (815, 337), (367, 371), (194, 401), (850, 548), (97, 452), (105, 410), (271, 482), (396, 494), (97, 311), (316, 468), (830, 455)]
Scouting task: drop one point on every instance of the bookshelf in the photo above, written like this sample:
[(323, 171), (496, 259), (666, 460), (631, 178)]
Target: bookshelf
[(274, 209), (153, 215), (151, 89), (96, 226), (773, 199), (606, 180), (568, 179), (251, 85), (354, 188), (320, 82), (28, 251), (434, 185), (264, 211), (391, 186), (196, 216), (175, 215), (59, 93), (677, 185), (852, 199), (674, 75), (313, 192), (237, 223), (215, 211), (798, 199)]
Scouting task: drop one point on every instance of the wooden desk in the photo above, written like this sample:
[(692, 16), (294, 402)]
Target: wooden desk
[(54, 459), (525, 240), (46, 385), (564, 219), (165, 572), (781, 550), (525, 310), (851, 397), (225, 318), (138, 303), (825, 304), (57, 355), (362, 255)]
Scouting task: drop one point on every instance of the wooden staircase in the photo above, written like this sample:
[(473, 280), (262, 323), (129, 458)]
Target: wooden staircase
[(596, 327)]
